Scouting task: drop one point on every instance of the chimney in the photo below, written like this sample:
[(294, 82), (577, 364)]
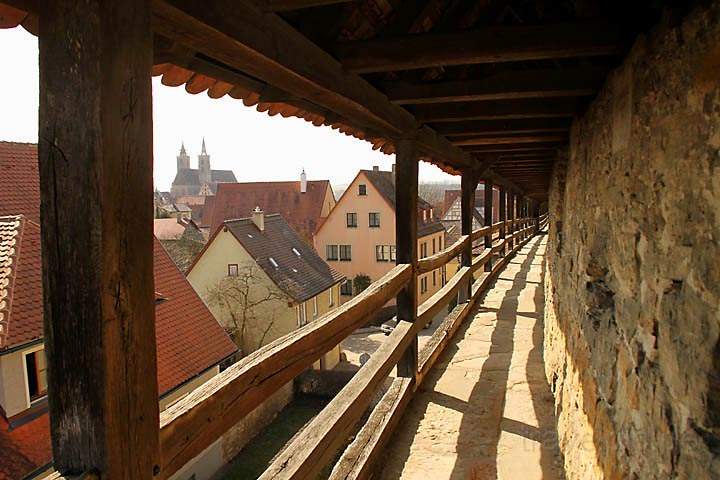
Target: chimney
[(258, 218), (376, 168), (303, 182)]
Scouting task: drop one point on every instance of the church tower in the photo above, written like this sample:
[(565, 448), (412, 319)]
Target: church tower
[(183, 160), (204, 173)]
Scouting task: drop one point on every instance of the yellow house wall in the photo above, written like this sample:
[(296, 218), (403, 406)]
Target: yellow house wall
[(212, 267), (363, 239)]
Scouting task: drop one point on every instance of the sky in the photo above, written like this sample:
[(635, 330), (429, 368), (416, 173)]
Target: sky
[(254, 145)]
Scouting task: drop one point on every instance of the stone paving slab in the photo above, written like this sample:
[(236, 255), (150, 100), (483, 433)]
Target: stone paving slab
[(485, 411)]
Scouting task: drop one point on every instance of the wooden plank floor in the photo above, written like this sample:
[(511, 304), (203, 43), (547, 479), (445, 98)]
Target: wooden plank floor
[(486, 410)]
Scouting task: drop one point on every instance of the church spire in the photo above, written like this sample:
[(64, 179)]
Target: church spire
[(182, 148), (203, 147)]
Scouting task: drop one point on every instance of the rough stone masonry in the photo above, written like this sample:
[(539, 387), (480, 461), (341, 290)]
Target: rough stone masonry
[(632, 311)]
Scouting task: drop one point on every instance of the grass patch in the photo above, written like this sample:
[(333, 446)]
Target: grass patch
[(257, 454)]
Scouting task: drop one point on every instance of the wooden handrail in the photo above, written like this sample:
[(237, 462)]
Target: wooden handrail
[(481, 259), (440, 299), (195, 422), (441, 258), (306, 456)]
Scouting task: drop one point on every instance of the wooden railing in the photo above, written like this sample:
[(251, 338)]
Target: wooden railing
[(201, 418), (198, 420)]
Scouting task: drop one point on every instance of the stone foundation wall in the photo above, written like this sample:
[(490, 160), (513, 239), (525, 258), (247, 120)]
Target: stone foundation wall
[(632, 343)]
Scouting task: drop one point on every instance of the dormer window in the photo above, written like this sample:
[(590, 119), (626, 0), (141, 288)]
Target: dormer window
[(273, 262), (36, 371), (295, 251)]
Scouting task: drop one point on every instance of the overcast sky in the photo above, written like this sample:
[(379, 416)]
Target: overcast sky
[(252, 144)]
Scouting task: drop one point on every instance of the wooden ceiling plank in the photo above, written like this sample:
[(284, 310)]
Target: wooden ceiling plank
[(496, 110), (504, 140), (502, 86), (494, 127), (288, 5), (493, 44)]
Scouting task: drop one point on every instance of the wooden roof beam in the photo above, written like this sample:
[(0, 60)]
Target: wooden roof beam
[(504, 150), (494, 127), (491, 44), (288, 5), (496, 110), (502, 86), (507, 139)]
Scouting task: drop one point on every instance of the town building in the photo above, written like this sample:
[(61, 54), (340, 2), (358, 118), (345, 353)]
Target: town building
[(358, 237), (191, 344), (304, 204), (198, 181), (262, 281)]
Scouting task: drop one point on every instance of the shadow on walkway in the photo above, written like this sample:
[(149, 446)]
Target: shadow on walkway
[(486, 410)]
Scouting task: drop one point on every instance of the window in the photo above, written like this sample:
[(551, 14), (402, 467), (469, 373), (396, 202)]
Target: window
[(301, 315), (392, 253), (423, 250), (232, 269), (296, 251), (423, 285), (331, 252), (433, 246), (331, 303), (424, 216), (440, 243), (382, 253), (36, 369), (374, 220), (315, 307), (351, 220), (346, 288), (345, 253), (273, 262), (434, 278), (362, 189)]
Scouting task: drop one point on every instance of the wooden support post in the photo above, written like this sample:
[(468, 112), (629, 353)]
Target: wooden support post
[(406, 196), (513, 227), (488, 216), (96, 196), (468, 185), (502, 211)]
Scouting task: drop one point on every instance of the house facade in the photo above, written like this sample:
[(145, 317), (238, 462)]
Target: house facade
[(358, 237), (262, 281)]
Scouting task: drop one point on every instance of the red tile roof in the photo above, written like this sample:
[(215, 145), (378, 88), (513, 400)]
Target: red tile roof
[(189, 339), (301, 210), (20, 281), (25, 448), (19, 171)]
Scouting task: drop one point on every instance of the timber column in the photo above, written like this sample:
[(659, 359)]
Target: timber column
[(406, 197), (96, 189), (502, 211), (488, 217), (511, 208), (468, 185)]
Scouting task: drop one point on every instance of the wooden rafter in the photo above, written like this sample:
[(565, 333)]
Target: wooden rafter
[(503, 86), (489, 45), (494, 127), (508, 139), (499, 110), (287, 5)]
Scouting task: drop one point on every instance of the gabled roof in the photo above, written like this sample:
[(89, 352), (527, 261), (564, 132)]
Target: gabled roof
[(20, 281), (300, 272), (384, 182), (189, 339), (301, 210), (25, 448)]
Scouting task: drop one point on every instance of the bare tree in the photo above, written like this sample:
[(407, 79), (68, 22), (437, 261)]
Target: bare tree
[(246, 300)]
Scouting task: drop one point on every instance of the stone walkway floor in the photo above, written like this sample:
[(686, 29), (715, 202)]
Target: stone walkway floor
[(486, 411)]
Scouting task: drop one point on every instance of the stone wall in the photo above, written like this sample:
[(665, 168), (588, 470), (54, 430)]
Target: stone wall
[(632, 343)]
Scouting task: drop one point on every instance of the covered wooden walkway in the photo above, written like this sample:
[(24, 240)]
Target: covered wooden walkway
[(485, 410)]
